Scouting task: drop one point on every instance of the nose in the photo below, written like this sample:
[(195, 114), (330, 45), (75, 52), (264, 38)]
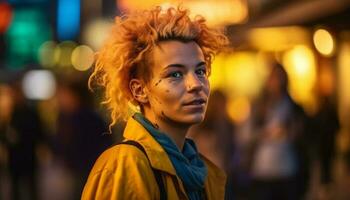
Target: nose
[(193, 83)]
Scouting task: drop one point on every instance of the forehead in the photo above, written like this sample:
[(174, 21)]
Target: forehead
[(177, 52)]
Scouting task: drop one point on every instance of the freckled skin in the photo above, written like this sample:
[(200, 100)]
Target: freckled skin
[(160, 80), (157, 100)]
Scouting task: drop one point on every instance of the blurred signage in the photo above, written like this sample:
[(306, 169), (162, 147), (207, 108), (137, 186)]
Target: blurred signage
[(27, 32), (68, 19)]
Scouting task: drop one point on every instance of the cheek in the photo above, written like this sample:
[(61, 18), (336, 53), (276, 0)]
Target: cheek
[(172, 89), (155, 99), (160, 96), (166, 97), (170, 96)]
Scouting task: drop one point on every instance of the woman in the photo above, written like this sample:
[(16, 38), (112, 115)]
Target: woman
[(156, 63)]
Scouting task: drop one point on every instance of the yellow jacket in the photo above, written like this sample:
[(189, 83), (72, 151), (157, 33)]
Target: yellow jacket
[(124, 172)]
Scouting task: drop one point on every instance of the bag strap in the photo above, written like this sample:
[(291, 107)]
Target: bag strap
[(156, 172)]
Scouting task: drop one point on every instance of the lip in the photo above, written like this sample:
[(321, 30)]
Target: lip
[(194, 108), (196, 102)]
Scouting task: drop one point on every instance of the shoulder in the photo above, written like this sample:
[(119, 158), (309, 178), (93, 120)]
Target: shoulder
[(117, 156), (121, 172)]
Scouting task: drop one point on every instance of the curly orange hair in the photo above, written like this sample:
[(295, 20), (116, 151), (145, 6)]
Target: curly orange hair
[(133, 36)]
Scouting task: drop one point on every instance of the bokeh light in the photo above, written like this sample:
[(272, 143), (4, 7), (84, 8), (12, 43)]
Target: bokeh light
[(244, 74), (47, 54), (300, 65), (129, 5), (6, 102), (219, 12), (217, 77), (82, 57), (96, 32), (5, 16), (278, 38), (324, 42), (39, 84), (216, 12), (27, 32), (68, 19), (63, 53), (326, 79), (239, 109), (344, 82)]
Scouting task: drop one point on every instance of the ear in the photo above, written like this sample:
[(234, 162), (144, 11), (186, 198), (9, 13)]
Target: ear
[(138, 90)]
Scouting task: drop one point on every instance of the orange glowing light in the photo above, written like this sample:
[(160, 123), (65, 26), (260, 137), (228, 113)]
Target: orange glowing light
[(239, 109), (5, 16), (216, 12)]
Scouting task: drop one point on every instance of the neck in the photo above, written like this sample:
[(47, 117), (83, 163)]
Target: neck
[(176, 131)]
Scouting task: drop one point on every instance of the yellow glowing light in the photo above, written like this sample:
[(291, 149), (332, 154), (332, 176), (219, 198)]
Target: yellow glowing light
[(217, 77), (301, 60), (278, 38), (323, 42), (219, 12), (300, 65), (63, 53), (216, 12), (244, 74), (95, 32), (129, 5), (47, 54), (344, 82), (82, 57), (239, 109)]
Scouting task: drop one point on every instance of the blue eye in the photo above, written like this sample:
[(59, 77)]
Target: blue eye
[(175, 74), (201, 72)]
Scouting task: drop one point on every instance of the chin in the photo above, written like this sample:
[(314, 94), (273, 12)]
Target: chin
[(194, 119)]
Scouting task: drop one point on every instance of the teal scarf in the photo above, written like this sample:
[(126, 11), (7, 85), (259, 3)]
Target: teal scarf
[(188, 165)]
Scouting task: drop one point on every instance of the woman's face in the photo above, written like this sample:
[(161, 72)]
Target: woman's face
[(178, 89)]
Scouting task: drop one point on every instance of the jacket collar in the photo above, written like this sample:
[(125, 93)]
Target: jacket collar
[(156, 154)]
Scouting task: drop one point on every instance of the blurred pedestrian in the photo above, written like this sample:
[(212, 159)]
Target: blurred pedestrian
[(22, 135), (6, 105), (325, 126), (278, 126), (81, 133)]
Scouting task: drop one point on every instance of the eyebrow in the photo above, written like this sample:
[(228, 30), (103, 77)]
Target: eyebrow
[(183, 66)]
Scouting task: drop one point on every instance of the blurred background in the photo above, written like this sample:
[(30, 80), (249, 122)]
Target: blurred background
[(283, 126)]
